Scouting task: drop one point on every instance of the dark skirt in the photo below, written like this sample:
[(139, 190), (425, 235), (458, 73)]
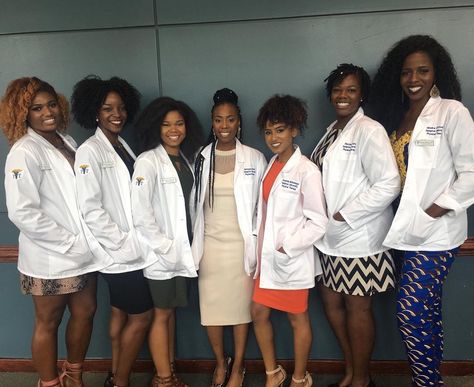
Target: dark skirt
[(169, 293)]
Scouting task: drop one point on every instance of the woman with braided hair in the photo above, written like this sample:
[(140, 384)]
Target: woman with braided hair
[(227, 175)]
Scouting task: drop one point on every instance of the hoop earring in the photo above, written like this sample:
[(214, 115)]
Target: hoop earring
[(214, 134), (434, 92)]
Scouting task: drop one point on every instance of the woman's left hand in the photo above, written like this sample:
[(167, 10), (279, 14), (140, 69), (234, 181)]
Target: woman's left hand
[(337, 216), (281, 250), (436, 211)]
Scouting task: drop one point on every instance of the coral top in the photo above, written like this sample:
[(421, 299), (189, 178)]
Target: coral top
[(291, 301)]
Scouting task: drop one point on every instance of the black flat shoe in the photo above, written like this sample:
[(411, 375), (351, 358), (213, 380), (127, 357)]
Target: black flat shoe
[(109, 380)]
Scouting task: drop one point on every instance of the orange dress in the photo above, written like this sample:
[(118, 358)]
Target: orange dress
[(291, 301)]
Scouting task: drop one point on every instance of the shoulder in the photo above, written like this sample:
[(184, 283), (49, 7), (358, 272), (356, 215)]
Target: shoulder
[(252, 152), (366, 124)]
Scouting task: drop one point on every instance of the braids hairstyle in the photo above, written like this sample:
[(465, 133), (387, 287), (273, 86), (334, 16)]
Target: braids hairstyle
[(388, 104), (16, 102), (221, 97), (341, 72), (150, 120), (89, 95), (285, 109)]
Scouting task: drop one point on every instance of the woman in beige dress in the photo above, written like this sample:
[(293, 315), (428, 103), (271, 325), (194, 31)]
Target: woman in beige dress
[(227, 175)]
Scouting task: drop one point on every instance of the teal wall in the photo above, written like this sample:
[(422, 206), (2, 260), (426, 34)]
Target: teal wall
[(188, 49)]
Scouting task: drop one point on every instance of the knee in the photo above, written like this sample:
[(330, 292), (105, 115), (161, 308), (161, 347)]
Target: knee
[(84, 311), (259, 313), (48, 323), (142, 321)]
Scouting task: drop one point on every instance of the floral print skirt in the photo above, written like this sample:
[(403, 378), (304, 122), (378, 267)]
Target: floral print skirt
[(52, 287)]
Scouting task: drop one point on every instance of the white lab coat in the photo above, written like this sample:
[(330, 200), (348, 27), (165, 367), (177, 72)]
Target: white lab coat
[(249, 168), (295, 220), (360, 180), (40, 190), (441, 171), (159, 215), (103, 189)]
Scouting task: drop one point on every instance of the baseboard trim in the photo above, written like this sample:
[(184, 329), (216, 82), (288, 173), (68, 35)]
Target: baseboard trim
[(382, 367), (9, 253)]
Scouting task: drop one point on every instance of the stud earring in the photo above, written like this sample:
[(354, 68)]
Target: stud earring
[(434, 92)]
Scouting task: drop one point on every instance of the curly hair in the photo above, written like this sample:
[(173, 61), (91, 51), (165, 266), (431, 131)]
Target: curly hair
[(90, 93), (387, 105), (341, 72), (150, 120), (286, 109), (16, 102)]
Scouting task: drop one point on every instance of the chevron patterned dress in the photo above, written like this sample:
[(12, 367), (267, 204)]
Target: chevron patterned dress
[(362, 276)]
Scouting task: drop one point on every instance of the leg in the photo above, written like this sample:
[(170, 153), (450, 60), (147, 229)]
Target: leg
[(172, 335), (131, 340), (335, 310), (118, 319), (240, 341), (361, 328), (216, 339), (264, 333), (48, 314), (158, 341), (302, 337), (418, 300), (82, 306)]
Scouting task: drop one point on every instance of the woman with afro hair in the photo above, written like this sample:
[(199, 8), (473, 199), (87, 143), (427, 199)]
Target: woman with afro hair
[(360, 180), (55, 261), (228, 174), (416, 96), (291, 218), (104, 167), (169, 135)]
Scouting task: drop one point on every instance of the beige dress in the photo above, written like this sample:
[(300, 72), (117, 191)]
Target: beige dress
[(225, 290)]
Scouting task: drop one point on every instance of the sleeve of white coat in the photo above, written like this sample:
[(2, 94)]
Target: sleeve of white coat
[(460, 135), (89, 195), (143, 190), (314, 210), (261, 168), (381, 169), (22, 179)]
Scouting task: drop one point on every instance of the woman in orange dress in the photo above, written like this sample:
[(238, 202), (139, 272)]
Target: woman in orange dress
[(291, 218)]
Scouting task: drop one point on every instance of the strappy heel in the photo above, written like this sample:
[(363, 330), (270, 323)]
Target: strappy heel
[(169, 381), (71, 375), (51, 383), (227, 362), (307, 381), (177, 380), (277, 370), (109, 380)]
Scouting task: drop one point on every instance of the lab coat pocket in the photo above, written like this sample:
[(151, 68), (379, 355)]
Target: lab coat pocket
[(424, 153), (79, 247), (419, 230), (283, 267), (338, 233), (129, 251), (170, 260), (343, 167)]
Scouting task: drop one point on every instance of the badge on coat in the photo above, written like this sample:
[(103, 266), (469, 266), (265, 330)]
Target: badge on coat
[(139, 181), (84, 169), (249, 171), (17, 173)]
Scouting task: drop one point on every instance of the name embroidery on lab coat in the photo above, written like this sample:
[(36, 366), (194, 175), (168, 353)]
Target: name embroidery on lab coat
[(290, 184), (168, 180), (249, 171), (349, 146), (84, 169), (423, 142), (434, 130), (17, 173), (139, 180)]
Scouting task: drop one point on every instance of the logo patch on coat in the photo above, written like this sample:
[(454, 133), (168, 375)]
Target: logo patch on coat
[(84, 169), (139, 180), (17, 173)]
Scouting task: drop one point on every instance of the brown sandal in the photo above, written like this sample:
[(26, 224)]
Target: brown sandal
[(171, 381)]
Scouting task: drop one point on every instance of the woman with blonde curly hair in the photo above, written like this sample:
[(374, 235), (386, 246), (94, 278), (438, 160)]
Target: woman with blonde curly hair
[(55, 261)]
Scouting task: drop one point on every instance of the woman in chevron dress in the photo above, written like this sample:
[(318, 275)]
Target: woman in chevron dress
[(417, 98), (360, 180)]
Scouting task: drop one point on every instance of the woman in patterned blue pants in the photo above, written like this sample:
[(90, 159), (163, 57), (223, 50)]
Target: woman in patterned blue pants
[(416, 97)]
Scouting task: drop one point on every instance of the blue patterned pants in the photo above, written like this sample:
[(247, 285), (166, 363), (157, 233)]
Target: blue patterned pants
[(419, 312)]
